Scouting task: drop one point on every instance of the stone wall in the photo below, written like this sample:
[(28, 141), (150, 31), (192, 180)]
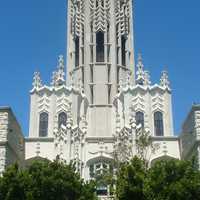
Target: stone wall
[(189, 137), (11, 140)]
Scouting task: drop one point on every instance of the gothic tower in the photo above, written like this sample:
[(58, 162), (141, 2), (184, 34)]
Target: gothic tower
[(104, 104), (100, 55)]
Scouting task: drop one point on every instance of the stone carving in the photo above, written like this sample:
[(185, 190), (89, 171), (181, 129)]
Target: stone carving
[(143, 77), (147, 78), (157, 102), (122, 12), (123, 145), (164, 81), (78, 141), (140, 71), (77, 17), (58, 77), (100, 14), (61, 141), (84, 124), (37, 82), (44, 103)]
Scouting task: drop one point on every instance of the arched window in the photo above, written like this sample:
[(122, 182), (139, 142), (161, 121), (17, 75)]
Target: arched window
[(158, 124), (97, 171), (62, 119), (139, 117), (100, 47), (43, 126)]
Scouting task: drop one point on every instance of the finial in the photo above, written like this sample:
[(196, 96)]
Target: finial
[(164, 81), (140, 59), (58, 77), (61, 62), (140, 71), (37, 82), (147, 80), (54, 79)]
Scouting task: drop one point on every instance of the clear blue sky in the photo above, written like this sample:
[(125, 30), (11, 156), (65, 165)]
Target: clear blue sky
[(33, 34)]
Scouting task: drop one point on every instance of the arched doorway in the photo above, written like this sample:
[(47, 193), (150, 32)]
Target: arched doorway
[(100, 170)]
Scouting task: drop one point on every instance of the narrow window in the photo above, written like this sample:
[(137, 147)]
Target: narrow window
[(117, 55), (91, 54), (123, 46), (43, 126), (91, 74), (118, 77), (109, 93), (102, 3), (62, 119), (158, 124), (92, 95), (140, 118), (77, 52), (100, 47), (83, 76)]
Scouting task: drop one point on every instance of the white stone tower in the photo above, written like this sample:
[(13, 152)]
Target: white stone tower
[(100, 55), (103, 101)]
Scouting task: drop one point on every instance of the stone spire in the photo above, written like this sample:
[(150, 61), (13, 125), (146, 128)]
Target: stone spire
[(58, 77), (37, 82), (143, 77), (164, 80), (147, 78)]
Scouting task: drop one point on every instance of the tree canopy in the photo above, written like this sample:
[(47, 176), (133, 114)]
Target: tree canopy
[(165, 180), (172, 179), (44, 181)]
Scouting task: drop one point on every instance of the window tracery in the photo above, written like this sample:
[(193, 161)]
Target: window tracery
[(43, 124), (97, 171), (158, 123), (62, 119), (139, 117)]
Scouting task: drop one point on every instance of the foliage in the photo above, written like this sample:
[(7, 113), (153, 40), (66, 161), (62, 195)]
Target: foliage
[(165, 180), (130, 180), (106, 179), (144, 145), (45, 181), (173, 179)]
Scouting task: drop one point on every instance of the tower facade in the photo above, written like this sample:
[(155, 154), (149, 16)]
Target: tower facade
[(100, 54), (103, 103)]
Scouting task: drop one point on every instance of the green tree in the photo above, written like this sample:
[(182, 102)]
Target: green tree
[(44, 181), (172, 179), (145, 146), (165, 180), (130, 180)]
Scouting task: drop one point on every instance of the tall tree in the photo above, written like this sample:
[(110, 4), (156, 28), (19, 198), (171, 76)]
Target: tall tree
[(130, 180), (165, 180), (172, 179), (44, 181)]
